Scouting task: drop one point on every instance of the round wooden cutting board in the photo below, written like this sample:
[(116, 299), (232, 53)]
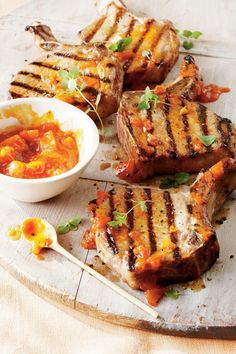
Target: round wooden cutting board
[(206, 310)]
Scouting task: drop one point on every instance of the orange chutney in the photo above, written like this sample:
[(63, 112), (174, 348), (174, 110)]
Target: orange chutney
[(37, 152)]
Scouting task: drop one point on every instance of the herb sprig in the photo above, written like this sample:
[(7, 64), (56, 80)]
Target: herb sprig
[(71, 225), (172, 294), (207, 140), (188, 37), (120, 219), (69, 82), (173, 182), (120, 45), (147, 99)]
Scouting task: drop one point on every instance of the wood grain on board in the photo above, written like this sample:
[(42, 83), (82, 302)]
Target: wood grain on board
[(210, 312)]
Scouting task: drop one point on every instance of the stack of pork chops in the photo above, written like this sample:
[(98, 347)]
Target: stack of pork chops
[(148, 236)]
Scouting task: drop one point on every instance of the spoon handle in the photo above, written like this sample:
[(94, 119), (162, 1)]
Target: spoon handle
[(56, 247)]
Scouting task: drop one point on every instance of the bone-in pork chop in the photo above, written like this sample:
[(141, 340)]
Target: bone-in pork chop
[(153, 48), (165, 236), (98, 69), (169, 136)]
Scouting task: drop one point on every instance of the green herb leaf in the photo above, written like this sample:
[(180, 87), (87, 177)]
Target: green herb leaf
[(70, 225), (63, 74), (188, 45), (75, 221), (74, 73), (147, 99), (196, 34), (172, 294), (114, 223), (143, 205), (207, 140), (182, 177), (168, 183), (144, 105), (146, 54), (187, 33), (63, 229), (108, 132), (173, 182), (120, 45), (120, 219)]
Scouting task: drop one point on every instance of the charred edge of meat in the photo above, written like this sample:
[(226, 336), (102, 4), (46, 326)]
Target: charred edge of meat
[(225, 135)]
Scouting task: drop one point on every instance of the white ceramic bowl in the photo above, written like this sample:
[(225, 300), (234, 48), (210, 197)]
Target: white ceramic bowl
[(69, 118)]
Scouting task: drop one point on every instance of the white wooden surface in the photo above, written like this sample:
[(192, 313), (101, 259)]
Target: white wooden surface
[(210, 312)]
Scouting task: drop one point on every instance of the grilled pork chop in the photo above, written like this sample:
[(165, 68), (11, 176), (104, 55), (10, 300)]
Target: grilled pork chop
[(154, 47), (167, 137), (171, 239), (99, 70)]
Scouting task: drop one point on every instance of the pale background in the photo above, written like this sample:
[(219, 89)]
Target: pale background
[(30, 325)]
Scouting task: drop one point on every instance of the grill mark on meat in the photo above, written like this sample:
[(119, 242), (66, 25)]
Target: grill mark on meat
[(154, 44), (225, 135), (191, 150), (15, 95), (27, 73), (171, 222), (130, 221), (151, 233), (72, 56), (110, 239), (173, 153), (139, 43), (32, 88), (130, 28), (90, 35), (57, 68), (46, 65), (190, 208), (140, 149), (201, 112), (115, 25)]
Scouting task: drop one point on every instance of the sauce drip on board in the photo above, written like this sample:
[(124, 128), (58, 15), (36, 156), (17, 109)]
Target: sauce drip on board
[(37, 152)]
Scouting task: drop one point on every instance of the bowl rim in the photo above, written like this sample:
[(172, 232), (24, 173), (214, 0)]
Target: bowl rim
[(79, 166)]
